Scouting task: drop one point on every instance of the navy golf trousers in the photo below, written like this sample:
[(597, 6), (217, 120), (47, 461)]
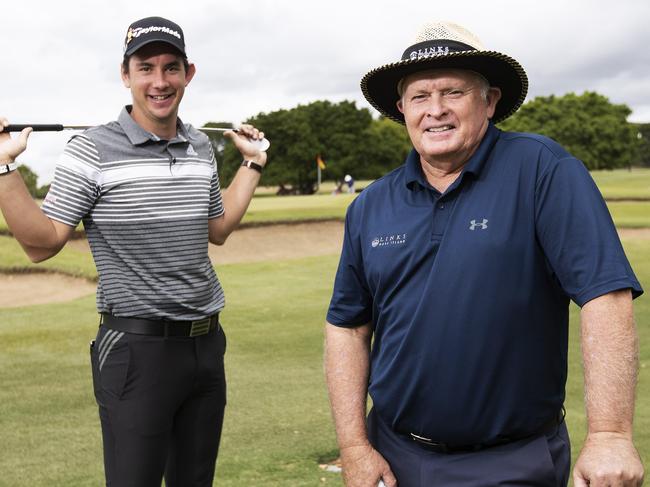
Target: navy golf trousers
[(161, 403), (540, 461)]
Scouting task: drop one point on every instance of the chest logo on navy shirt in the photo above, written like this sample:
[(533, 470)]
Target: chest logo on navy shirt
[(473, 225), (385, 240)]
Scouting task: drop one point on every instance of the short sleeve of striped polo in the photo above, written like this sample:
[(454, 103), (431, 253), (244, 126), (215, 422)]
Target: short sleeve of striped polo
[(76, 181), (215, 209)]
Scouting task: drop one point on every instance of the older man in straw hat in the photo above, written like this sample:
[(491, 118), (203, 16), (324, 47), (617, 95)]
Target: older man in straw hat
[(450, 305)]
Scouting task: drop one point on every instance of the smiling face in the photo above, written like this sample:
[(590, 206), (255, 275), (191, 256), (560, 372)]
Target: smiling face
[(157, 78), (447, 113)]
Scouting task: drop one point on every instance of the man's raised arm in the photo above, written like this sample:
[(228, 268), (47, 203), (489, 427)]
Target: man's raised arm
[(240, 192), (40, 237)]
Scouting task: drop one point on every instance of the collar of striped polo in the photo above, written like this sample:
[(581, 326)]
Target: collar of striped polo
[(138, 136)]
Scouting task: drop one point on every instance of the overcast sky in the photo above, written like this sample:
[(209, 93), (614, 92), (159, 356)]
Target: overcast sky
[(61, 58)]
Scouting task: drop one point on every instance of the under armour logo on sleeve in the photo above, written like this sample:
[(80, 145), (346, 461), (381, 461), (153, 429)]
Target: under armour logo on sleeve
[(482, 225)]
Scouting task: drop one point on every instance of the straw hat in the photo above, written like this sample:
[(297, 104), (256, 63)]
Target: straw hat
[(445, 45)]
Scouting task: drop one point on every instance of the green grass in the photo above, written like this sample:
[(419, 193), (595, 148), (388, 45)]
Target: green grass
[(277, 427), (326, 187), (630, 214), (47, 418), (623, 183), (296, 208), (68, 261)]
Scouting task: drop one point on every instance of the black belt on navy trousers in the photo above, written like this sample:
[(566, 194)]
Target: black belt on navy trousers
[(439, 447), (141, 326)]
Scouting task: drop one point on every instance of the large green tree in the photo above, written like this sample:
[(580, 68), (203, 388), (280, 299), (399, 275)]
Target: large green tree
[(347, 138), (589, 126), (387, 146)]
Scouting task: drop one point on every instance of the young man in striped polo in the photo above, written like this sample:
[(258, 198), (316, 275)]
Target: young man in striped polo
[(147, 191)]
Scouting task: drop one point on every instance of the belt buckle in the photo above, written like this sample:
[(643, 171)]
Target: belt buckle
[(200, 327), (428, 442)]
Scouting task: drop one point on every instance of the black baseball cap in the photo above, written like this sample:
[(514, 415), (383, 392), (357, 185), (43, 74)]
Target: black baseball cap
[(153, 29)]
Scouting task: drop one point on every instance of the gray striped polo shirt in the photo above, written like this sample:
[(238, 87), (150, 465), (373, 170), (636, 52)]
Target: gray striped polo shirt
[(145, 205)]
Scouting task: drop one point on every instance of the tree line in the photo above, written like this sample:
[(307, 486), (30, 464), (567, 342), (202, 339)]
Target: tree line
[(347, 139), (589, 126), (350, 141)]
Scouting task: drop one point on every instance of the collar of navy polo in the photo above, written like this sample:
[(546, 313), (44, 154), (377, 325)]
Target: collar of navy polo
[(413, 171)]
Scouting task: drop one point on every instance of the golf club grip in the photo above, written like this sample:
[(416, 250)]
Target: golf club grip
[(37, 127)]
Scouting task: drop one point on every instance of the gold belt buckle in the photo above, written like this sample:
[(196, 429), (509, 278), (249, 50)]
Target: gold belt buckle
[(200, 327)]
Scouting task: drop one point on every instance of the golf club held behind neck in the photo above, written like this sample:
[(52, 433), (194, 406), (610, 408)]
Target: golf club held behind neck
[(262, 144)]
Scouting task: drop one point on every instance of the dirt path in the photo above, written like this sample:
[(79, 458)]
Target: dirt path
[(253, 244), (276, 242), (635, 233)]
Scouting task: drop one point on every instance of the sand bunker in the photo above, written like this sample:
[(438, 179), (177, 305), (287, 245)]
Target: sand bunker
[(26, 289), (254, 244)]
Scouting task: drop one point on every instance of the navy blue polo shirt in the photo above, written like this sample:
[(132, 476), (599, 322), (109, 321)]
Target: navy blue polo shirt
[(468, 291)]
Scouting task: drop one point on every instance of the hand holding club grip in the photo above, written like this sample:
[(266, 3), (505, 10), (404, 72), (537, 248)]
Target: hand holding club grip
[(36, 127)]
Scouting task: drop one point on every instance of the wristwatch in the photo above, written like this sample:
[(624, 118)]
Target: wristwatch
[(252, 165), (7, 167)]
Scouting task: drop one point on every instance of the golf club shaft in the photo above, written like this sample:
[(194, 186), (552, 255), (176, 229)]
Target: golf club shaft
[(57, 127), (53, 127), (217, 129)]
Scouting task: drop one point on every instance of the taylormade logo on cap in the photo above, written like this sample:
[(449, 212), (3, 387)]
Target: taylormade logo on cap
[(153, 29), (138, 31)]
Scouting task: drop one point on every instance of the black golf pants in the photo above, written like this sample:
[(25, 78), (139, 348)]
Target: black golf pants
[(161, 403)]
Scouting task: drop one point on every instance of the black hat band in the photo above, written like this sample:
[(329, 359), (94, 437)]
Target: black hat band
[(438, 47)]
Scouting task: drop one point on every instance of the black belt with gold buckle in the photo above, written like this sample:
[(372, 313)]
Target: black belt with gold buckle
[(171, 328)]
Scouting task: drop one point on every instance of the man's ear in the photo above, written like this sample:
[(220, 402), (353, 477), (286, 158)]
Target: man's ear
[(126, 81), (191, 71), (400, 106), (493, 97)]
